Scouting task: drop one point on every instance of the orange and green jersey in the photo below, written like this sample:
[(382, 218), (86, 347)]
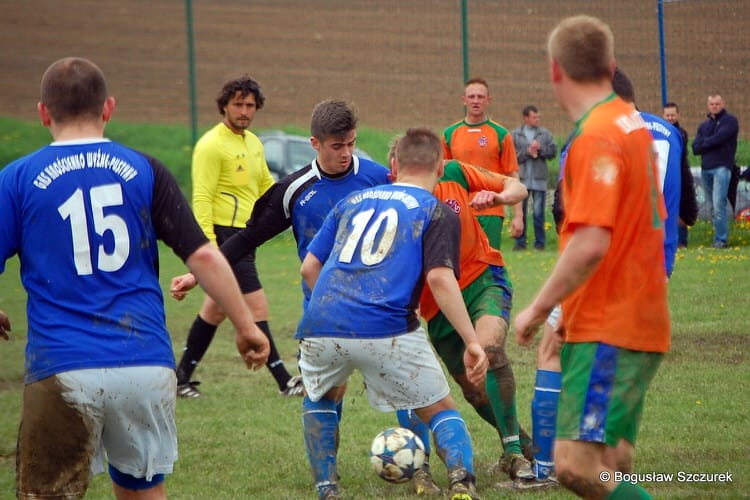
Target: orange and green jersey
[(229, 174), (610, 181), (488, 145), (476, 253)]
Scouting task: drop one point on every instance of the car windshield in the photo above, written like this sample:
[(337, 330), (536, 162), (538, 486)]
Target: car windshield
[(300, 154)]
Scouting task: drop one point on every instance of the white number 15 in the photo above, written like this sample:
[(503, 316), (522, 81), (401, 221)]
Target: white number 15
[(74, 208)]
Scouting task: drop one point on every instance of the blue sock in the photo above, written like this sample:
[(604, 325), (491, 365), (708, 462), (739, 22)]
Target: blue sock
[(409, 420), (320, 422), (452, 440), (543, 420)]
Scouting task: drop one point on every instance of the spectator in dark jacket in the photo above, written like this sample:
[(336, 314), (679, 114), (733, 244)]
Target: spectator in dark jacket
[(716, 143), (688, 203)]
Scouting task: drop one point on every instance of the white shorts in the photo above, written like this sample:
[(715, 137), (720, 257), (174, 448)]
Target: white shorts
[(70, 420), (400, 372), (554, 317)]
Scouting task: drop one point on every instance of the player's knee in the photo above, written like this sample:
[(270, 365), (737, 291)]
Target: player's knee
[(129, 482), (496, 356)]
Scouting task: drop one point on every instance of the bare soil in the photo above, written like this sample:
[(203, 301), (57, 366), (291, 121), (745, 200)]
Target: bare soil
[(400, 62)]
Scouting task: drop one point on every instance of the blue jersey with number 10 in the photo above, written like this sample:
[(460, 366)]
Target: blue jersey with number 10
[(376, 247)]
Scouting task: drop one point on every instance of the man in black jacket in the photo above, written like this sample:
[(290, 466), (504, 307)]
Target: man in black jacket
[(688, 203), (716, 143)]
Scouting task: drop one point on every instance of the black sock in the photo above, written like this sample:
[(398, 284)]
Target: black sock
[(199, 338), (274, 363)]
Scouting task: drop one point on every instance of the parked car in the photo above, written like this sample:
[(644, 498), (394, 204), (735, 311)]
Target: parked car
[(287, 153), (742, 207)]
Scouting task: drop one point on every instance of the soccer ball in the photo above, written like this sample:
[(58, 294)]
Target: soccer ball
[(396, 454)]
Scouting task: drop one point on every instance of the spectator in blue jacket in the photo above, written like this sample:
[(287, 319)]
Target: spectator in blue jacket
[(716, 143)]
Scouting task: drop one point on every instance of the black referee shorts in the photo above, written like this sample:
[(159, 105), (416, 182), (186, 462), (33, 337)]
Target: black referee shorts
[(244, 270)]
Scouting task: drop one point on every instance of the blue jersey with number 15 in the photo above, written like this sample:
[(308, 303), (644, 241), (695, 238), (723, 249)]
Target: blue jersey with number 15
[(376, 247), (84, 218)]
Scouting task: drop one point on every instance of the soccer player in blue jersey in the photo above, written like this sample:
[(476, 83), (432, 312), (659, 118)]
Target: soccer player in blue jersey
[(83, 214), (668, 147), (303, 199), (366, 267)]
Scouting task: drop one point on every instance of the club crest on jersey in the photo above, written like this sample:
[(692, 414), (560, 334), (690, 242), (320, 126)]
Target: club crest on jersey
[(604, 171), (454, 205), (483, 141)]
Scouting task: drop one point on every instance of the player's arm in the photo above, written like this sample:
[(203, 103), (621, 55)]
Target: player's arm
[(585, 250), (509, 165), (267, 220), (310, 269), (4, 326), (319, 249), (513, 192)]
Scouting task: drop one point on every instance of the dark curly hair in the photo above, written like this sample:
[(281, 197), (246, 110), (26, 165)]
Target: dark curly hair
[(245, 85)]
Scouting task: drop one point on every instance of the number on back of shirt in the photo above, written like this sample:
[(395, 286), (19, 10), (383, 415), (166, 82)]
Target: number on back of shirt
[(364, 234), (74, 210)]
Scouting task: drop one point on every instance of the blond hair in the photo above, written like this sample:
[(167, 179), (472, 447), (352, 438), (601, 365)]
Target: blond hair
[(584, 47)]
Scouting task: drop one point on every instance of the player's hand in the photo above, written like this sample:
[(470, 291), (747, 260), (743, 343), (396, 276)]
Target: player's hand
[(476, 363), (526, 324), (516, 227), (484, 199), (254, 348), (4, 326), (181, 285)]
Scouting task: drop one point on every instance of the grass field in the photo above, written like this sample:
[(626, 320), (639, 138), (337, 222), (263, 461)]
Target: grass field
[(245, 441)]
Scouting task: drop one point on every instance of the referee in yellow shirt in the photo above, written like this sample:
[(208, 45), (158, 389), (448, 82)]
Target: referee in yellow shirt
[(229, 174)]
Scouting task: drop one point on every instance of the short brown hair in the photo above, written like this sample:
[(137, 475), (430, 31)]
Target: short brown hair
[(332, 118), (419, 149), (584, 47), (73, 87)]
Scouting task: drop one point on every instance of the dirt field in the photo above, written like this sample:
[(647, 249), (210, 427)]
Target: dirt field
[(399, 61)]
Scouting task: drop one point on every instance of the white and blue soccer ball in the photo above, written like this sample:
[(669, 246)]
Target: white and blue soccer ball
[(396, 454)]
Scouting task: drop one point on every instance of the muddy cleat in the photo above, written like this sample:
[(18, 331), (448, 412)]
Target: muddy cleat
[(329, 492), (516, 466), (295, 387), (189, 390), (528, 484), (461, 485), (423, 483)]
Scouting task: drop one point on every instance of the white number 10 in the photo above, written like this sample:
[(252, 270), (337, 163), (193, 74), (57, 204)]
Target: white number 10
[(74, 208), (368, 255)]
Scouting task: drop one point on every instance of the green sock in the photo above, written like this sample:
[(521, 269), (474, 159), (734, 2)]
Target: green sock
[(501, 390), (628, 491)]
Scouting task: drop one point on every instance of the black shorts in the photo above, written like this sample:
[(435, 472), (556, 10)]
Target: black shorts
[(244, 270)]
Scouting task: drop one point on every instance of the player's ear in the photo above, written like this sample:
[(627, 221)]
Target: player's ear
[(555, 71), (109, 108), (315, 143), (44, 115)]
